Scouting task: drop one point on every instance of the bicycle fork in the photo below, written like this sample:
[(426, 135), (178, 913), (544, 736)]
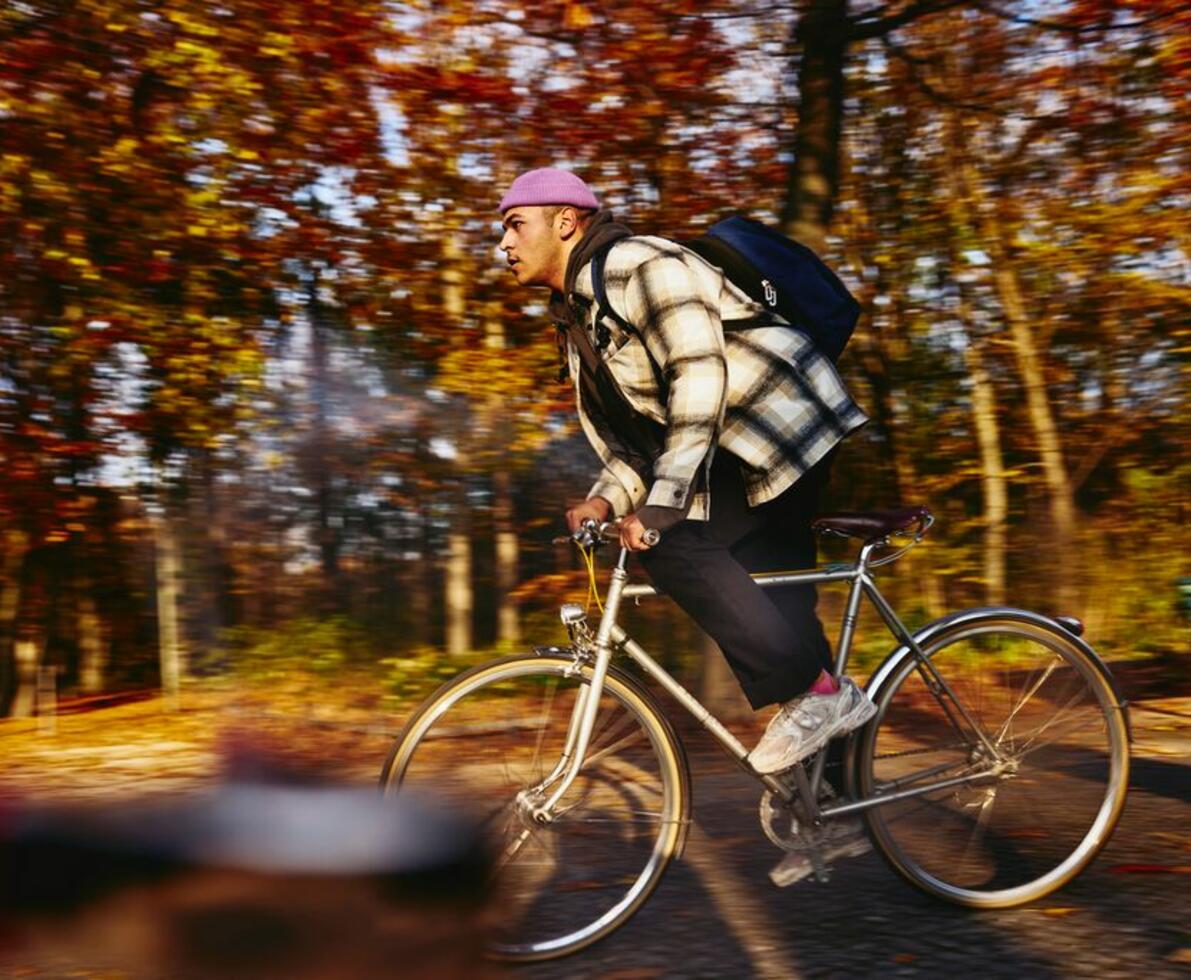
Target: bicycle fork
[(587, 704)]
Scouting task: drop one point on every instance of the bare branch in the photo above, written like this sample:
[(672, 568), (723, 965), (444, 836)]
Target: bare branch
[(882, 23), (914, 62), (1037, 125), (776, 8), (1055, 25)]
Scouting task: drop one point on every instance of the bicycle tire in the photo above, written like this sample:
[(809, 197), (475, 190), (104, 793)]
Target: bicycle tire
[(633, 793), (1047, 702)]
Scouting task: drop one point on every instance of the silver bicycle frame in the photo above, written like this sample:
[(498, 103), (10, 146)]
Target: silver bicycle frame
[(610, 638)]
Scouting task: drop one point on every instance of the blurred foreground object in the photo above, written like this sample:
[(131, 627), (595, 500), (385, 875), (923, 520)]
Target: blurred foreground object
[(248, 881)]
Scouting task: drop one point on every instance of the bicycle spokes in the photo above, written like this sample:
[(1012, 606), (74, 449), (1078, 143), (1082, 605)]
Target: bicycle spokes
[(1004, 826)]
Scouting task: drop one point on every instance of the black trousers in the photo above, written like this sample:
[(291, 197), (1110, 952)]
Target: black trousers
[(772, 638)]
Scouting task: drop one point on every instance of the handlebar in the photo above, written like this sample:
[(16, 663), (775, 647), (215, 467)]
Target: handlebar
[(591, 534)]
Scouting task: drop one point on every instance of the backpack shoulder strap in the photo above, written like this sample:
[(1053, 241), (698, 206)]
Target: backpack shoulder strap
[(603, 306)]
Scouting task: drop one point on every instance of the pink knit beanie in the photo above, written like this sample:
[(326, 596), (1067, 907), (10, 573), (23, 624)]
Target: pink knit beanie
[(548, 186)]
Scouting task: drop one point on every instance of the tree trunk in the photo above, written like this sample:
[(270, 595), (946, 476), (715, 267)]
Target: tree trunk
[(458, 592), (93, 652), (420, 573), (1029, 363), (813, 182), (170, 651), (869, 353), (985, 416), (508, 627), (26, 655), (16, 546), (453, 279), (992, 467), (1046, 434), (327, 496), (457, 585)]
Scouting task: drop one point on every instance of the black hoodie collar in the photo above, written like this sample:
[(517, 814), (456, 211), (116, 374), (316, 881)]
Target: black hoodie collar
[(603, 231)]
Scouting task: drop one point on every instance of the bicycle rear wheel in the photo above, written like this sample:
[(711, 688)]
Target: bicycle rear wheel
[(1025, 826), (487, 740)]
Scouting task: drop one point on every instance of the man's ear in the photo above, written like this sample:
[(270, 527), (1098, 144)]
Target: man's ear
[(567, 222)]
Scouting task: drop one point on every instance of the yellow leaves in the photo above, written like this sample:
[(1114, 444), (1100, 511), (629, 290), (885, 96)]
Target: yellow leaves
[(44, 181), (214, 224), (577, 17), (204, 197), (200, 52), (488, 373), (191, 24), (276, 45)]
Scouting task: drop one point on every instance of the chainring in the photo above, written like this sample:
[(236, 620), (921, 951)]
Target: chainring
[(787, 825), (781, 823)]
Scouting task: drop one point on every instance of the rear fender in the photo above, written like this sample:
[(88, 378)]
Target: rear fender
[(964, 618), (956, 621)]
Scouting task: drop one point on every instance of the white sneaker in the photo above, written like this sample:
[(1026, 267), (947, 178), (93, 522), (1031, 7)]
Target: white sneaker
[(804, 725), (845, 838)]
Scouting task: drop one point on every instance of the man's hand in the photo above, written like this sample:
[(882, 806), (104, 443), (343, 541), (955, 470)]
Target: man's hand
[(597, 509), (632, 533)]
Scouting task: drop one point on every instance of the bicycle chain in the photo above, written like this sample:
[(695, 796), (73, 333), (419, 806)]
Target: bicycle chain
[(922, 751)]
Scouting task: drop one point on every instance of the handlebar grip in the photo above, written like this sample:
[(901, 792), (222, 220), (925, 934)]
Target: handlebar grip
[(651, 536)]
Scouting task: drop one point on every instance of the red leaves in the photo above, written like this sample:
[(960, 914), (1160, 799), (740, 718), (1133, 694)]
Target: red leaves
[(433, 84)]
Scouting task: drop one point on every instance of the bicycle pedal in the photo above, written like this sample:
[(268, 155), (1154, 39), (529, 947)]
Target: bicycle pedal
[(795, 867), (822, 868)]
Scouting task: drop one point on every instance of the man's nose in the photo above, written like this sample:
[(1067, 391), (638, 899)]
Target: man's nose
[(504, 242)]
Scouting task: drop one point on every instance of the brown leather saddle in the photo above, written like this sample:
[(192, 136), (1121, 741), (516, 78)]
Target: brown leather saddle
[(874, 525)]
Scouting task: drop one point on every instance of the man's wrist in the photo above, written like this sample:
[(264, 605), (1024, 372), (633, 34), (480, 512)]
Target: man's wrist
[(604, 502), (658, 518)]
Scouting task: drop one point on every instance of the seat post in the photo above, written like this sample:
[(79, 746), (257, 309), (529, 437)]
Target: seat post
[(852, 609), (847, 630)]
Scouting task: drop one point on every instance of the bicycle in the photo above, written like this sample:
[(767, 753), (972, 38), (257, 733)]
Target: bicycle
[(995, 768)]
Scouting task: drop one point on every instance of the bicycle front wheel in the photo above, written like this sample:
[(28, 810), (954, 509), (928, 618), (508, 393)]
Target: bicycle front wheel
[(1040, 803), (490, 742)]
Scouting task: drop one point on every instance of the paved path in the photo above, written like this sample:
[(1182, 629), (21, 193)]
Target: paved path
[(717, 915)]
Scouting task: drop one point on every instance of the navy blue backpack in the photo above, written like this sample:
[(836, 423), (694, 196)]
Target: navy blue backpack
[(782, 275)]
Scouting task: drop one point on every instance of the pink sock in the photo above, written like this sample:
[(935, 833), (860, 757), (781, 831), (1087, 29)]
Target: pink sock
[(824, 684)]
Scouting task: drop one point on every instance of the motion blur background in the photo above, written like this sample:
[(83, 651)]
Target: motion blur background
[(274, 416)]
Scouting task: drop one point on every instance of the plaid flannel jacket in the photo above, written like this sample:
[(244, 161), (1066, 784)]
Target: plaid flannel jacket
[(765, 394)]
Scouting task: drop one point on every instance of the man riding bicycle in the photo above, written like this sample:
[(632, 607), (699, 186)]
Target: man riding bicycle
[(747, 424)]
